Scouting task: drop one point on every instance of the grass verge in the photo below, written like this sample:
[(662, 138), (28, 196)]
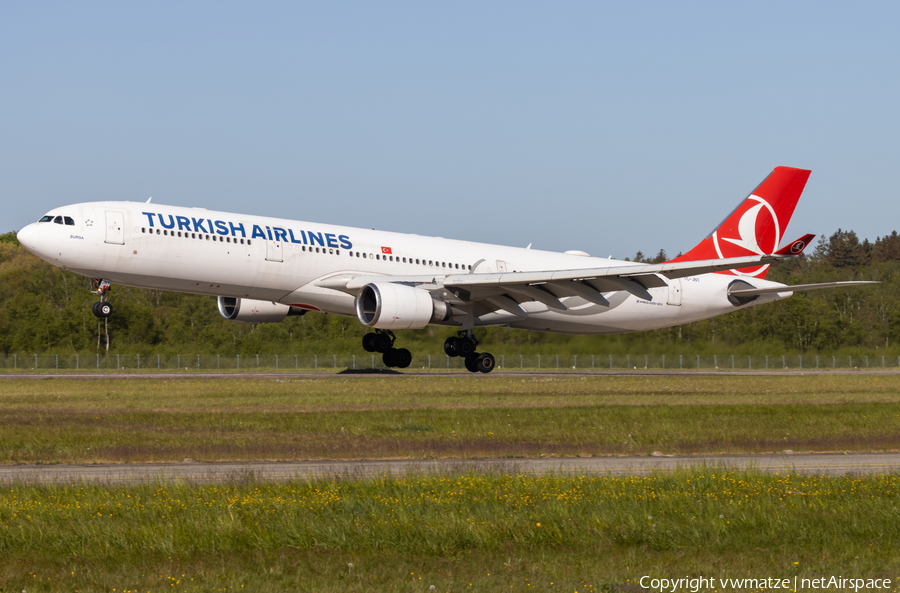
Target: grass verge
[(465, 532), (72, 421)]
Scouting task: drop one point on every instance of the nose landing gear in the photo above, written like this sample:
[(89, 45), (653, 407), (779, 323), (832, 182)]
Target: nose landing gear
[(102, 309), (382, 340), (464, 345)]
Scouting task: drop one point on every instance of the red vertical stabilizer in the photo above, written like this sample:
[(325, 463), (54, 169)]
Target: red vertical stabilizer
[(757, 225)]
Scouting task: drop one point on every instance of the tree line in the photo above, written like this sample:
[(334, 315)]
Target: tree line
[(46, 309)]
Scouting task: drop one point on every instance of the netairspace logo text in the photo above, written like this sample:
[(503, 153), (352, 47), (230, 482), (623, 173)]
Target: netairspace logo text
[(695, 584)]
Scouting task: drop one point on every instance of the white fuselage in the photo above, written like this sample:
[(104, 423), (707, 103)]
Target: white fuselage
[(270, 259)]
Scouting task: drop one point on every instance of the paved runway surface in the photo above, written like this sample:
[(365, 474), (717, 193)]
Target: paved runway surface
[(363, 374), (809, 464)]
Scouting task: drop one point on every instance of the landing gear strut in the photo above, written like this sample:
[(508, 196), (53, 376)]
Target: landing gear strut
[(464, 344), (382, 340), (102, 309)]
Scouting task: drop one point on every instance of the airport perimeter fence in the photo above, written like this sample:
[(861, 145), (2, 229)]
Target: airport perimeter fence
[(531, 362)]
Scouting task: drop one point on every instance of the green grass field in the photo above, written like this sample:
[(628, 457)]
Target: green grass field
[(454, 532), (140, 420)]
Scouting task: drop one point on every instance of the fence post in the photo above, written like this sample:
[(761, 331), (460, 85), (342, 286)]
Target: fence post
[(118, 366), (297, 362), (57, 362), (217, 361), (750, 362), (316, 361), (335, 360), (238, 361), (882, 362), (521, 364), (767, 362), (628, 360), (448, 361), (715, 361), (157, 362), (257, 361), (850, 358), (179, 362), (76, 360), (732, 362), (138, 361), (681, 361), (198, 362), (557, 361), (592, 361), (698, 362), (783, 364), (502, 361), (664, 361), (645, 362), (98, 361), (354, 361), (429, 361), (817, 362), (575, 365), (539, 361), (833, 362), (276, 362), (801, 362), (35, 361), (373, 361), (15, 361), (867, 362)]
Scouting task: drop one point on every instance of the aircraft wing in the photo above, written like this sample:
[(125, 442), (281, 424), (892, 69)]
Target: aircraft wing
[(506, 290)]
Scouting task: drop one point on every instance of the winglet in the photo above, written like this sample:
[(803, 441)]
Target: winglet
[(797, 246)]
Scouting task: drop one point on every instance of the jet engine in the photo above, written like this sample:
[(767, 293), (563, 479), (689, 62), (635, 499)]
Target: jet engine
[(251, 311), (385, 305)]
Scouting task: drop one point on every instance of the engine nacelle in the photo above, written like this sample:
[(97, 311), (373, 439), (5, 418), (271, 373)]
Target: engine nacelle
[(251, 311), (385, 305)]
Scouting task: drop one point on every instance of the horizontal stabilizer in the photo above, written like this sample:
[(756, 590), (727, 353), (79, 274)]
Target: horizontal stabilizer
[(745, 292), (797, 246)]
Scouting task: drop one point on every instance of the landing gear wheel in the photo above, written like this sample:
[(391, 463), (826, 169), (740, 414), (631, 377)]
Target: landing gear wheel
[(450, 345), (389, 358), (382, 342), (465, 347), (402, 358), (471, 364), (368, 344), (102, 310), (484, 363)]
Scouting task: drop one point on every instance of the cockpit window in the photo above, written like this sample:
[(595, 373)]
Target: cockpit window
[(47, 218), (69, 220), (58, 220)]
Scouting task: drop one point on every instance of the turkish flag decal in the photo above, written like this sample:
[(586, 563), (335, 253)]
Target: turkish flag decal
[(386, 250)]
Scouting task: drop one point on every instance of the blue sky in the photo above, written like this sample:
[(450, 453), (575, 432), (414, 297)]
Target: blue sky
[(605, 127)]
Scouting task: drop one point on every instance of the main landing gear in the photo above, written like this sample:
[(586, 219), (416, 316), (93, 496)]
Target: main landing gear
[(102, 309), (464, 345), (382, 340)]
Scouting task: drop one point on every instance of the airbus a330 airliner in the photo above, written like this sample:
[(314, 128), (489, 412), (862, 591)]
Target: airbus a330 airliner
[(264, 269)]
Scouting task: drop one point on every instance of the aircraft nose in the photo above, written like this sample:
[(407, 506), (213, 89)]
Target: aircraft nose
[(28, 237)]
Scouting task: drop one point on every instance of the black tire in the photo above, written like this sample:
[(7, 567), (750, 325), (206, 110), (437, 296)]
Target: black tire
[(403, 358), (450, 346), (465, 347), (95, 309), (389, 358), (471, 364), (381, 342), (368, 343), (485, 363), (105, 309)]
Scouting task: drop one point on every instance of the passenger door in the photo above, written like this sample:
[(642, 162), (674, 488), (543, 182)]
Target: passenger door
[(115, 227)]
